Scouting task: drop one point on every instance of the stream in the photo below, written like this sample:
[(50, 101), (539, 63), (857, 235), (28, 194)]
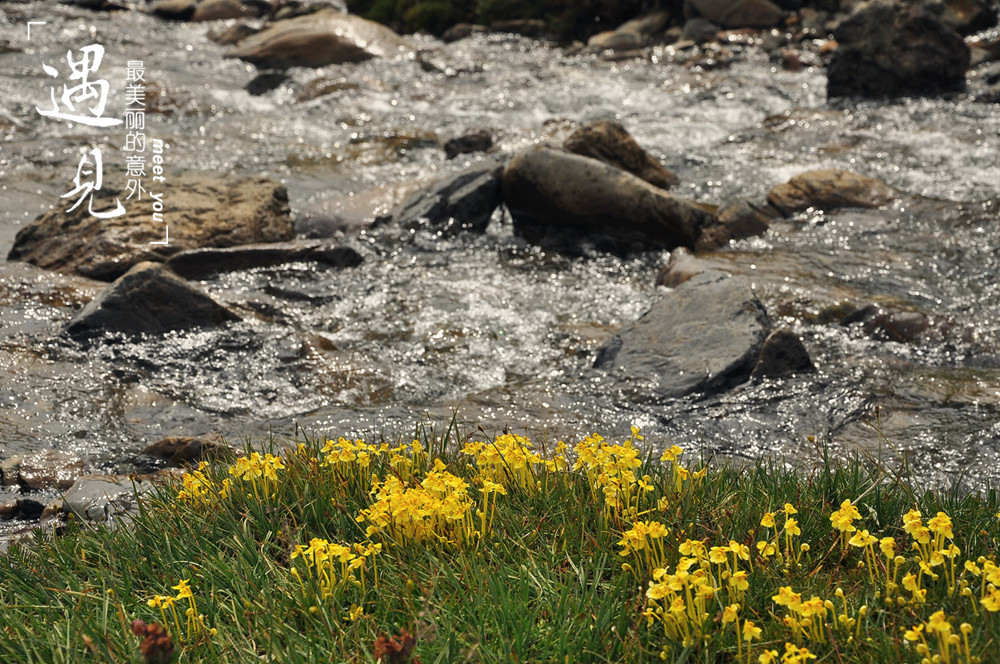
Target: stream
[(490, 329)]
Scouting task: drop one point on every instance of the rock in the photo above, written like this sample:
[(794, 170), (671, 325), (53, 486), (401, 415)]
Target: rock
[(9, 510), (465, 201), (323, 38), (174, 10), (650, 24), (220, 10), (187, 449), (265, 82), (736, 219), (699, 31), (202, 263), (550, 190), (888, 49), (782, 355), (148, 299), (964, 16), (49, 469), (527, 27), (736, 13), (200, 212), (476, 141), (29, 509), (461, 31), (609, 142), (680, 267), (898, 326), (704, 336), (861, 314), (354, 212), (828, 189), (10, 471), (615, 41), (104, 498), (232, 34)]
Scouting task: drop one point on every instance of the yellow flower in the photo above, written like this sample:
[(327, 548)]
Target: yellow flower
[(789, 510), (862, 539), (792, 527), (183, 590), (768, 657), (767, 520), (992, 600), (941, 525), (939, 623), (750, 631), (914, 633), (729, 613)]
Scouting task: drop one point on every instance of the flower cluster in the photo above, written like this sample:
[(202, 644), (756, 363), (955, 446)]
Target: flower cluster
[(194, 621), (438, 510), (510, 461), (199, 488), (332, 567), (260, 471)]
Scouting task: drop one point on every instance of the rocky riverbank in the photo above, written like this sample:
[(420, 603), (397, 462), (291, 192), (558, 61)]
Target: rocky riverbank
[(533, 250)]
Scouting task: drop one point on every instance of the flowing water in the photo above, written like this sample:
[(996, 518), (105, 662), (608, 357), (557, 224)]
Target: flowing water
[(488, 328)]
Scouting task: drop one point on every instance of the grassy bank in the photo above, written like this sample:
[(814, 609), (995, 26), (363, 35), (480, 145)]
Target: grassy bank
[(490, 551)]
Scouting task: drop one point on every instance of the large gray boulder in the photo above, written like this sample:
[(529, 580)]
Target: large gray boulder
[(888, 49), (322, 38), (704, 336), (198, 211), (547, 189), (148, 299)]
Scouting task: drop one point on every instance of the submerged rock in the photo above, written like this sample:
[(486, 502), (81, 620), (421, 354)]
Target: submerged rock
[(829, 189), (737, 219), (322, 38), (476, 141), (782, 355), (148, 299), (609, 142), (49, 469), (704, 336), (887, 49), (465, 201), (199, 212), (680, 267), (550, 190), (201, 263)]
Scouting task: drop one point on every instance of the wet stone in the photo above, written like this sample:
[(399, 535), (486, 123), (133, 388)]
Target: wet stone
[(49, 469), (189, 449), (611, 143), (104, 498), (148, 299), (705, 336), (551, 193), (783, 355)]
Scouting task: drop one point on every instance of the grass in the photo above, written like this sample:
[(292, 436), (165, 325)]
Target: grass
[(554, 571)]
